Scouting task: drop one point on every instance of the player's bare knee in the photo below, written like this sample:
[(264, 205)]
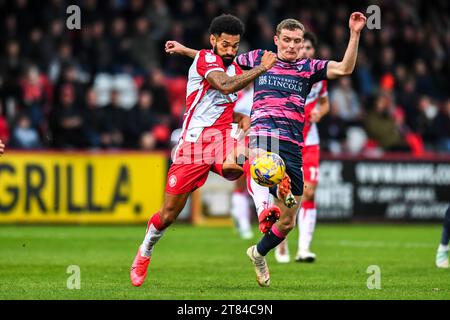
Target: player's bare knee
[(232, 171)]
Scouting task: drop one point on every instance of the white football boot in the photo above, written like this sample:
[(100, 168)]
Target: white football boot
[(305, 256), (261, 268), (246, 235), (442, 259)]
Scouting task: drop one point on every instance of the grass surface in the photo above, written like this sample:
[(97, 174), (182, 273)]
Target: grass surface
[(210, 263)]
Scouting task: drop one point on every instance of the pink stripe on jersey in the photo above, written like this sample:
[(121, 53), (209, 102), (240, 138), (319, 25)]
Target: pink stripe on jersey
[(296, 116), (280, 95), (318, 64)]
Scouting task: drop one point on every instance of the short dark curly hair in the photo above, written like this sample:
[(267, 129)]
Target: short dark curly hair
[(226, 23), (311, 37)]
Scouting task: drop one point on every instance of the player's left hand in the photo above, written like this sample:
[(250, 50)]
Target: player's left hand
[(357, 21), (2, 147), (174, 47), (314, 116)]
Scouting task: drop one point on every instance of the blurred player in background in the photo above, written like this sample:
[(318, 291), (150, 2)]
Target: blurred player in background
[(278, 118), (240, 202), (442, 252), (317, 105), (2, 147), (214, 79)]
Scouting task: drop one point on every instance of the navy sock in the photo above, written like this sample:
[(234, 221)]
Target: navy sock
[(268, 242), (446, 230)]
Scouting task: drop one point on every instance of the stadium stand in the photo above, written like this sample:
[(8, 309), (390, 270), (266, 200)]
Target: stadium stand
[(401, 79)]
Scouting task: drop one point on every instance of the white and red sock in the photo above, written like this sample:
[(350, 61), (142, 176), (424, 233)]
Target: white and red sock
[(306, 224), (261, 195), (155, 230)]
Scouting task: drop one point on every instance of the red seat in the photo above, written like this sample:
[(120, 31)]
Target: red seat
[(176, 89)]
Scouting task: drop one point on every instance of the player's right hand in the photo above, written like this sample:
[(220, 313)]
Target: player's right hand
[(174, 47), (357, 21), (2, 147), (268, 59)]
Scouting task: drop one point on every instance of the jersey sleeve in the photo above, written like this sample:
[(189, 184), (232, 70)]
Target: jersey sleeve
[(208, 62), (249, 59), (318, 70), (324, 90)]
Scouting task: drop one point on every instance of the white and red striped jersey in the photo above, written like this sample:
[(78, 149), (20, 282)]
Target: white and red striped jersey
[(310, 131), (206, 106)]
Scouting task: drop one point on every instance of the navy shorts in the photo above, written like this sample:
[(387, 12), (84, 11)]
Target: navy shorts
[(291, 155)]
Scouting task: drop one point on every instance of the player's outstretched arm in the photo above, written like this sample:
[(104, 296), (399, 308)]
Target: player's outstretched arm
[(174, 47), (226, 84), (345, 67), (220, 80), (2, 147)]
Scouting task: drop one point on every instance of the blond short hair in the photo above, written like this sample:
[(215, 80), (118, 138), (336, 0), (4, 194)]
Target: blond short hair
[(289, 24)]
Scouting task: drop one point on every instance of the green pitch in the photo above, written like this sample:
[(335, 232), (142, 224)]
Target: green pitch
[(210, 263)]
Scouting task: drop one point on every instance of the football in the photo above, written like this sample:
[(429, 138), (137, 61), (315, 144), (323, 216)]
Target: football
[(267, 169)]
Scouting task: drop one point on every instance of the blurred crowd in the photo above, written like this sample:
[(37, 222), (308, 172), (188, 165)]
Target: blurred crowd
[(110, 84)]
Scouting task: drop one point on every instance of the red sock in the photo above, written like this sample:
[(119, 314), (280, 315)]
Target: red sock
[(156, 221), (308, 204)]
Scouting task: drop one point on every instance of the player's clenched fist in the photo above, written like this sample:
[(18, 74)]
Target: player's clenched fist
[(2, 147), (268, 59), (174, 47), (357, 21)]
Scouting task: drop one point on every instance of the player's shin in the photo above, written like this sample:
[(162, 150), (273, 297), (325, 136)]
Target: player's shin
[(155, 230), (307, 223), (270, 240), (260, 195), (268, 213)]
